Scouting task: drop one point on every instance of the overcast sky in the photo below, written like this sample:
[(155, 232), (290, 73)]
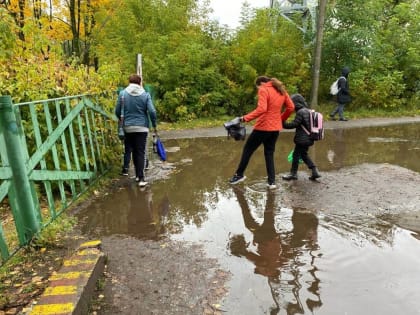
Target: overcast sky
[(228, 11)]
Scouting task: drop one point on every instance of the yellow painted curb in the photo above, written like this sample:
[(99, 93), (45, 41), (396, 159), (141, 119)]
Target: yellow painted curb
[(70, 289), (60, 290), (69, 275), (90, 244), (75, 262), (53, 309)]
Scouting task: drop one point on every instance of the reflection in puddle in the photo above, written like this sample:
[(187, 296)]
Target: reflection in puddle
[(295, 261), (277, 250), (282, 260), (378, 139)]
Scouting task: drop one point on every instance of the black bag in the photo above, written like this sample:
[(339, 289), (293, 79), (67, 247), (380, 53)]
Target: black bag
[(235, 129), (121, 133)]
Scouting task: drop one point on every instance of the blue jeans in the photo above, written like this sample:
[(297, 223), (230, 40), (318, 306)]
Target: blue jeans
[(339, 109)]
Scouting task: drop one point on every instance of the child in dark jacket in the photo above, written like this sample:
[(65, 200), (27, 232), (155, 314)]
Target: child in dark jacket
[(302, 140)]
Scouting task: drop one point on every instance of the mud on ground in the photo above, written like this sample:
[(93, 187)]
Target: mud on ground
[(367, 189), (168, 277)]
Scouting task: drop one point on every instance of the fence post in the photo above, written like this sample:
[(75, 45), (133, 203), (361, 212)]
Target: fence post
[(27, 220)]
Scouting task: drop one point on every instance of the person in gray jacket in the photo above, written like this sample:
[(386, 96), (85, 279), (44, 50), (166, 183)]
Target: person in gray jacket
[(302, 140), (135, 106)]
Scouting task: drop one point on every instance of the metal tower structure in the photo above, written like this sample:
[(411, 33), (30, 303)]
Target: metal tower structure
[(307, 8)]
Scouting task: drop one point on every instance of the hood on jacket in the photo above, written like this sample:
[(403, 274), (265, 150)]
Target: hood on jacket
[(299, 101), (134, 89), (345, 72)]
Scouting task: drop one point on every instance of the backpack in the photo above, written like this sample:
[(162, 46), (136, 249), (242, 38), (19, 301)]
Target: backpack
[(316, 130), (334, 87)]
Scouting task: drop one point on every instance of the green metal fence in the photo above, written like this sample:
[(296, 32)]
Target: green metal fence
[(51, 151)]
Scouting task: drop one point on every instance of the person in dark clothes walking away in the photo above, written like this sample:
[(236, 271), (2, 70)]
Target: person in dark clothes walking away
[(343, 95), (272, 97), (138, 107), (302, 140)]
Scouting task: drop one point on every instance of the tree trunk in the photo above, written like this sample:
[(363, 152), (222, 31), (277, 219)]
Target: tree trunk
[(322, 6), (74, 11)]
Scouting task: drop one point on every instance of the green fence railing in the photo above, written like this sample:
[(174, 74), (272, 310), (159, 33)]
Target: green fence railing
[(50, 152)]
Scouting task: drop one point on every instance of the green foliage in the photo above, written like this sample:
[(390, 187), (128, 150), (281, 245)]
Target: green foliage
[(7, 35), (200, 69), (381, 91), (49, 237), (378, 39)]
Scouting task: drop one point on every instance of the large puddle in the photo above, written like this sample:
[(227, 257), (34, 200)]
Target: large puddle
[(282, 260)]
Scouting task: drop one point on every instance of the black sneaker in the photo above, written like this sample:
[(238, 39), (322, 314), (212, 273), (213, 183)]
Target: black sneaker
[(344, 119), (236, 179), (290, 176), (332, 117), (124, 172)]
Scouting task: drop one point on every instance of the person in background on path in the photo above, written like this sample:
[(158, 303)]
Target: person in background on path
[(302, 140), (272, 97), (343, 95), (138, 107)]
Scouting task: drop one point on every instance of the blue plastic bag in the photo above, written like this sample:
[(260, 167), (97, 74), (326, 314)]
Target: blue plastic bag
[(160, 149)]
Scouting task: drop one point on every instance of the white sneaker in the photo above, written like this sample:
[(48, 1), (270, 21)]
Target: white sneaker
[(271, 186), (143, 183)]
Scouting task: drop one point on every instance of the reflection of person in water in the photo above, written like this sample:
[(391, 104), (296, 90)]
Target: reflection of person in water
[(337, 154), (144, 219), (279, 252), (267, 260)]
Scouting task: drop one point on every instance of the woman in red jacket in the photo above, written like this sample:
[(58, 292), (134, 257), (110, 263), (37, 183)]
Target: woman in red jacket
[(272, 97)]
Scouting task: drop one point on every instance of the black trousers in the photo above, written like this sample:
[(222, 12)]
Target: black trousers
[(301, 152), (136, 142), (255, 139)]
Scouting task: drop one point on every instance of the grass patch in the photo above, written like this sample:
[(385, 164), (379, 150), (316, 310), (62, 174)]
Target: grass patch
[(196, 123), (53, 234)]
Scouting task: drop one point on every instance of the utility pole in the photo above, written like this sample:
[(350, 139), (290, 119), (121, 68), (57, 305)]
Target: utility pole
[(318, 52), (317, 11)]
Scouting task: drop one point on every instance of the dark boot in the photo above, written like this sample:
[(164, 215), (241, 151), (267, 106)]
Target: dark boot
[(315, 174), (290, 176)]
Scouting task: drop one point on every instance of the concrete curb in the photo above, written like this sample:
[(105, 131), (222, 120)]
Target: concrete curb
[(71, 288)]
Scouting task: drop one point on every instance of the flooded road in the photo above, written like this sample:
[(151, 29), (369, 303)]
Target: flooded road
[(333, 247)]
